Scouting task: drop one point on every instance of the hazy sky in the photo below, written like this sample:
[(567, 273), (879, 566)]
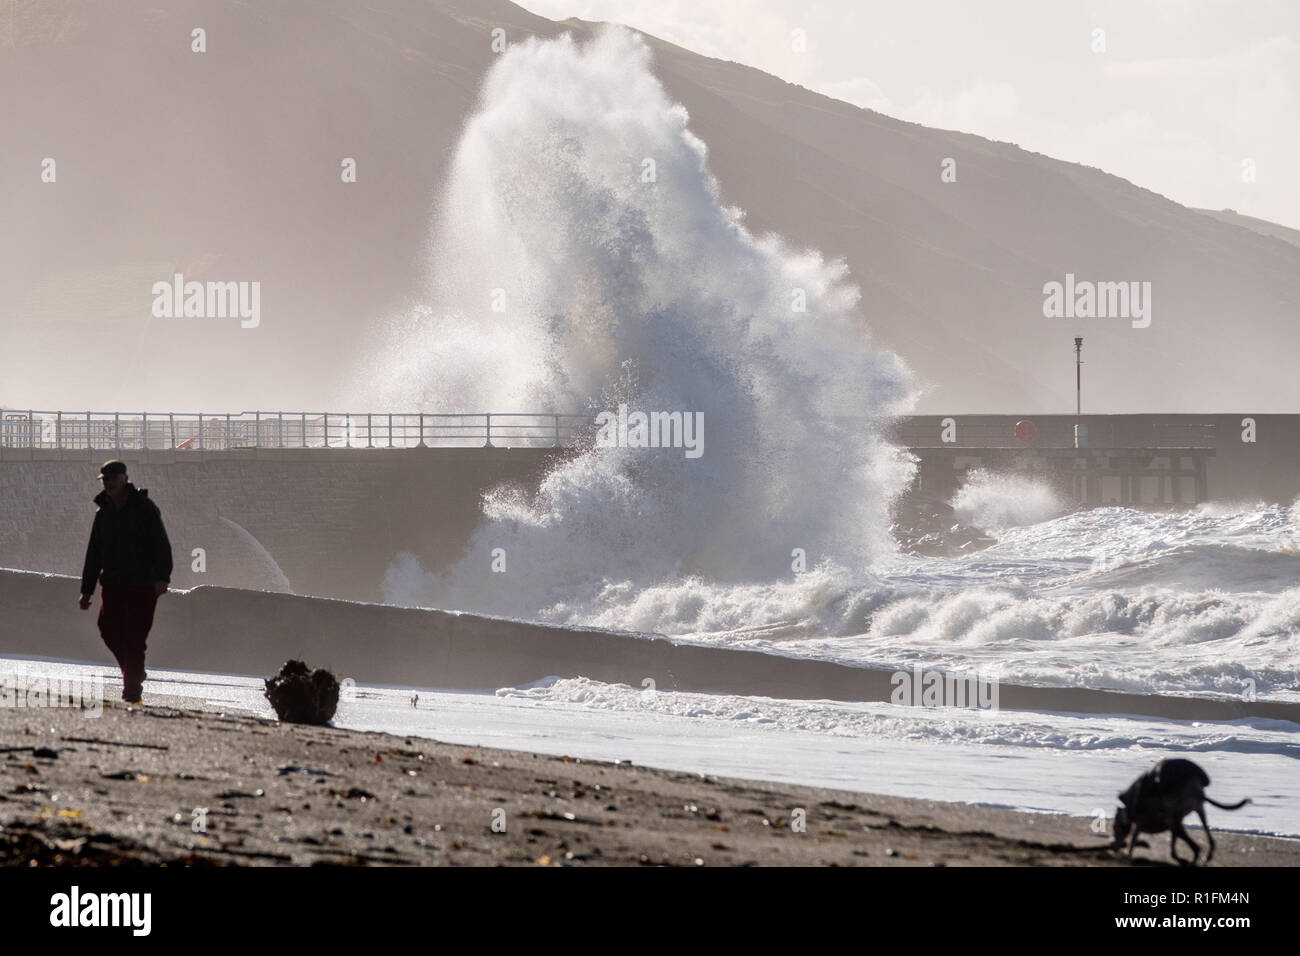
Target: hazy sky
[(1184, 93)]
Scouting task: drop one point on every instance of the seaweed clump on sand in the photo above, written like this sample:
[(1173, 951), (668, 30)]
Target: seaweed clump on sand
[(301, 695)]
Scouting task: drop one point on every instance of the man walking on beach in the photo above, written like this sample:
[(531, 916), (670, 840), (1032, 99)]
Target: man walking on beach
[(131, 558)]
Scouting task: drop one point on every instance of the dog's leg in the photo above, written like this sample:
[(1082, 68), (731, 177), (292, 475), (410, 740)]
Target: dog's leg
[(1209, 853), (1178, 832), (1173, 847), (1132, 841)]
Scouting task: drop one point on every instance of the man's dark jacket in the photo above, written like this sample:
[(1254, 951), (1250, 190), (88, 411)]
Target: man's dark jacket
[(128, 544)]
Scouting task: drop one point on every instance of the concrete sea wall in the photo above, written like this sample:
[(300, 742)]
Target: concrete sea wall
[(252, 632), (331, 520)]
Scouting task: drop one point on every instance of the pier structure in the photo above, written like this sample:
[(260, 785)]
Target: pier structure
[(1155, 460), (328, 501), (1105, 460)]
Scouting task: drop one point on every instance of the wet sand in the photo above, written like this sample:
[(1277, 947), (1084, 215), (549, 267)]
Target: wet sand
[(124, 789)]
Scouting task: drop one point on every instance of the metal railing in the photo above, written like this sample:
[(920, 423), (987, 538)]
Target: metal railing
[(200, 431), (131, 431)]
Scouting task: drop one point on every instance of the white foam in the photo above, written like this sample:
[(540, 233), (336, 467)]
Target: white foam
[(650, 293), (995, 502), (618, 289)]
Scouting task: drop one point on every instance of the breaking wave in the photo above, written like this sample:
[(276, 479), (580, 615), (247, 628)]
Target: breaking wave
[(580, 205), (994, 502)]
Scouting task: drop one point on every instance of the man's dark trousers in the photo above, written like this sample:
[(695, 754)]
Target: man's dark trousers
[(125, 616)]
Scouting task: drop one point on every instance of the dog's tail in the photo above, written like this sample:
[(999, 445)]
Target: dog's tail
[(1229, 806)]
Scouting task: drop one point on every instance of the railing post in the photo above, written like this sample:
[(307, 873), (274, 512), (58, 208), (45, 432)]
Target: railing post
[(144, 431), (58, 430), (390, 429), (279, 430), (117, 430), (557, 432), (88, 445), (201, 436), (31, 441), (256, 434), (369, 437), (171, 426), (488, 443), (422, 444), (304, 429)]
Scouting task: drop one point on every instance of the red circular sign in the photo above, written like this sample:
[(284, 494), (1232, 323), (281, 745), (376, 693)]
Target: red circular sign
[(1025, 430)]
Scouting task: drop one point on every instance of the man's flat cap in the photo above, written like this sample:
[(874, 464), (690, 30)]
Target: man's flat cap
[(113, 467)]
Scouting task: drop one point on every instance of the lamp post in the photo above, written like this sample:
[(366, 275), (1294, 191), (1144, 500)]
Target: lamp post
[(1078, 375)]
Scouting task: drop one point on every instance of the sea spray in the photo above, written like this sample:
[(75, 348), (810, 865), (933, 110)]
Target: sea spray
[(564, 279), (272, 577), (619, 291), (992, 502)]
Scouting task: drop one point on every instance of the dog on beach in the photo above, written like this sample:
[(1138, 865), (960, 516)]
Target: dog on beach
[(1159, 799)]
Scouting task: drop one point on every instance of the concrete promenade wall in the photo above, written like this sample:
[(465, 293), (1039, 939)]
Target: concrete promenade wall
[(333, 519), (251, 632)]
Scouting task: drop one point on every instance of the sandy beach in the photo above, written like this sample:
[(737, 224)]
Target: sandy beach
[(158, 784)]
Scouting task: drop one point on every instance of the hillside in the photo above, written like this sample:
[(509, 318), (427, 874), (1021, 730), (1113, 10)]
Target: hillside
[(225, 165)]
